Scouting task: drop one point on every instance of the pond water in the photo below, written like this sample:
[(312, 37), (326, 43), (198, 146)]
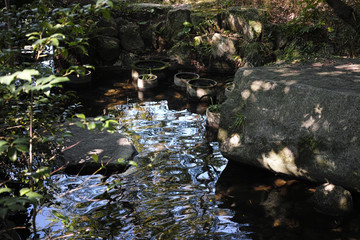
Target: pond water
[(169, 194), (180, 186)]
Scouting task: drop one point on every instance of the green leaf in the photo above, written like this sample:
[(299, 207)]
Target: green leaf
[(32, 34), (12, 154), (22, 148), (2, 143), (121, 161), (133, 163), (46, 25), (80, 124), (5, 190), (21, 141), (3, 148), (113, 122), (3, 212), (43, 172), (55, 42), (7, 79), (91, 125), (24, 191), (95, 157), (27, 74), (32, 196), (59, 215), (80, 115), (100, 118)]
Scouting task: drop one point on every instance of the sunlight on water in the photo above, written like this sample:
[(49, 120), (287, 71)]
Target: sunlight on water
[(169, 195)]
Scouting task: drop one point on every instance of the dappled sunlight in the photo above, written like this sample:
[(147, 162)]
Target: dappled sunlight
[(328, 188), (312, 121), (332, 73), (289, 82), (323, 162), (281, 161), (309, 122), (96, 151), (351, 67), (301, 120), (235, 140), (245, 94), (262, 85)]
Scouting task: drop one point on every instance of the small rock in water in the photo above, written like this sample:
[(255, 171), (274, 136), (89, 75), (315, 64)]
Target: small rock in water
[(332, 200)]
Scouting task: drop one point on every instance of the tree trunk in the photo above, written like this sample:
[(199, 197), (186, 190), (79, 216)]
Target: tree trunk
[(346, 13)]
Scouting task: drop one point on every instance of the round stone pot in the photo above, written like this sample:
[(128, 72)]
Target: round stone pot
[(201, 87), (157, 67), (229, 87), (79, 80), (147, 81), (181, 78)]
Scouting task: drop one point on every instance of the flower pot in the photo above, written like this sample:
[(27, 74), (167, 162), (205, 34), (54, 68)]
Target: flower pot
[(181, 78), (80, 80), (212, 119), (201, 87), (229, 87), (147, 81), (156, 67)]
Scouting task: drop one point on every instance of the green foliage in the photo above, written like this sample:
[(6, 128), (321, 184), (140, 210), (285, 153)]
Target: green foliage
[(316, 33), (239, 121), (32, 109), (100, 123), (213, 107)]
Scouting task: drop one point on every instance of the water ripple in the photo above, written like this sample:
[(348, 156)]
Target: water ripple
[(169, 195)]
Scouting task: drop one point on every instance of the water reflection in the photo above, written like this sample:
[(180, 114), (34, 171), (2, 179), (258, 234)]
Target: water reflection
[(169, 195)]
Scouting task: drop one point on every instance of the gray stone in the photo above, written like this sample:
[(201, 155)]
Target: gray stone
[(175, 21), (223, 47), (332, 200), (180, 53), (108, 49), (106, 28), (302, 121), (109, 147), (223, 52), (248, 22), (130, 37), (148, 11)]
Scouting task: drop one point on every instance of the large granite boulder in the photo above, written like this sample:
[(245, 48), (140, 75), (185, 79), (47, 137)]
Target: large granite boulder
[(301, 120)]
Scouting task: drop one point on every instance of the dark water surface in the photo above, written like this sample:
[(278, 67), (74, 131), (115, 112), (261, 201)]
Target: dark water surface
[(170, 194), (180, 186)]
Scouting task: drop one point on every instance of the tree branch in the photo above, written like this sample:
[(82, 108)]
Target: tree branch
[(346, 13)]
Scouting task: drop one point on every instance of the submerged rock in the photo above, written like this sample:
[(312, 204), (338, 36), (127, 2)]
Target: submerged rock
[(332, 200), (113, 151), (301, 121)]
